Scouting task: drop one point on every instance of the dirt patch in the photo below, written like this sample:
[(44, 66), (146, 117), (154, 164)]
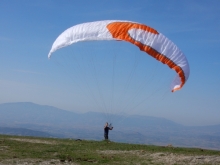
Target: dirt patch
[(113, 152), (34, 141), (3, 148), (168, 158)]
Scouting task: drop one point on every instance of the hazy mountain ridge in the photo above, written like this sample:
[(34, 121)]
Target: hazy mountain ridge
[(23, 132), (48, 121)]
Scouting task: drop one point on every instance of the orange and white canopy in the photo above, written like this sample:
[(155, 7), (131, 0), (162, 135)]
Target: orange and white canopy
[(146, 38)]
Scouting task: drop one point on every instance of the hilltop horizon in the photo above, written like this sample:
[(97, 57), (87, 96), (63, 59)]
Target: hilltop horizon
[(47, 121)]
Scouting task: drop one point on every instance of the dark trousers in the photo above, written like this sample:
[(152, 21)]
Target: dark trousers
[(106, 136)]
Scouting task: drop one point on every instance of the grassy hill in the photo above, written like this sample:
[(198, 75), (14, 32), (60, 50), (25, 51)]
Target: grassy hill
[(31, 150)]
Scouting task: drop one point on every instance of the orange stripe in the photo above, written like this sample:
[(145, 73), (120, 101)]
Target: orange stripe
[(119, 30)]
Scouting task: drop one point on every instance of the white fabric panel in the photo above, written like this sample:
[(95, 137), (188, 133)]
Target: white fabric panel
[(164, 46), (98, 31), (82, 32)]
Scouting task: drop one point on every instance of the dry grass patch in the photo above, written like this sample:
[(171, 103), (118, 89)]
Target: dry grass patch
[(34, 141), (180, 159), (165, 158)]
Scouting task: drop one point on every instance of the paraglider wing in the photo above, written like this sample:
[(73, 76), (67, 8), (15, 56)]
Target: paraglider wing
[(146, 38)]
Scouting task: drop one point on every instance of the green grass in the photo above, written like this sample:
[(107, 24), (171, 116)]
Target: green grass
[(87, 152)]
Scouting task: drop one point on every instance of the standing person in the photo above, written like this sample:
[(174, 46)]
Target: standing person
[(106, 129)]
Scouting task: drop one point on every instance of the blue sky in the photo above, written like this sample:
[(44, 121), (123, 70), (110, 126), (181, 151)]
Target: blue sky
[(28, 29)]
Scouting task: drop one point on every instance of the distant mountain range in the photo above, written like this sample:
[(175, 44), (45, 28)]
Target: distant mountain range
[(31, 119)]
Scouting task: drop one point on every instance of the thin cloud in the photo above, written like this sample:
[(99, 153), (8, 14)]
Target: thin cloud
[(5, 39), (113, 11), (26, 71), (189, 28), (203, 8), (123, 10), (216, 63)]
